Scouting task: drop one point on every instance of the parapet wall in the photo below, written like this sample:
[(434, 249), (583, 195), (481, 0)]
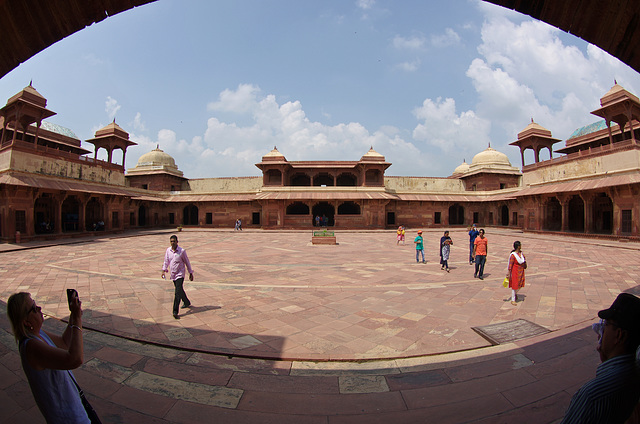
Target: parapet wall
[(80, 169), (423, 184), (225, 185), (583, 167)]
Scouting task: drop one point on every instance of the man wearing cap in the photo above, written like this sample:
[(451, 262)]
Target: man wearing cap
[(612, 396), (419, 247)]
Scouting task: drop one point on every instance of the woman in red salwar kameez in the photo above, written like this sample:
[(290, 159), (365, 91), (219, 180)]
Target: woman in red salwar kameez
[(515, 274)]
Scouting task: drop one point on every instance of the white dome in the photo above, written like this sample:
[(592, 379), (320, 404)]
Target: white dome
[(157, 157), (491, 156), (462, 168)]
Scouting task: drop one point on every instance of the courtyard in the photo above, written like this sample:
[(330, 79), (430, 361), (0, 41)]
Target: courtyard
[(361, 317)]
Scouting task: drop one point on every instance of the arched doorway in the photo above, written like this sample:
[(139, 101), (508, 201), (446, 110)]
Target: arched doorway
[(603, 214), (70, 214), (553, 221), (323, 209), (93, 218), (190, 215), (576, 214), (44, 215), (142, 216), (456, 214), (504, 215)]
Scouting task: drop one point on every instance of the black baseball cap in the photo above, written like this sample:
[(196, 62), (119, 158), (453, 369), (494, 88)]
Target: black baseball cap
[(625, 311)]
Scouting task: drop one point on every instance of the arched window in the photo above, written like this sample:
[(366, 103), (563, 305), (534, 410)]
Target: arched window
[(349, 208), (346, 180), (300, 180), (298, 208), (372, 176), (274, 177), (323, 179)]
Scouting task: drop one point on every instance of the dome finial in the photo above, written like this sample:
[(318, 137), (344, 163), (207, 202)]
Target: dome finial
[(489, 144), (615, 82), (532, 119), (158, 146), (31, 83)]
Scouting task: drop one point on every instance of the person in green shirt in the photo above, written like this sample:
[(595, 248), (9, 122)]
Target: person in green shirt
[(419, 247)]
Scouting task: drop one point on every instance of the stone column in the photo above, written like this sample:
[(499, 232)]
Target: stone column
[(587, 198), (564, 202)]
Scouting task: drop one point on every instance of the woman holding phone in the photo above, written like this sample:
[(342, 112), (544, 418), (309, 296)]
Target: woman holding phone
[(47, 358)]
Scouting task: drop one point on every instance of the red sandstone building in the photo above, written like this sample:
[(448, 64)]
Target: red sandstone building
[(49, 188)]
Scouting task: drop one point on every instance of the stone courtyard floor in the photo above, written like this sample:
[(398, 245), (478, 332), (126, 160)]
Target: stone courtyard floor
[(284, 331)]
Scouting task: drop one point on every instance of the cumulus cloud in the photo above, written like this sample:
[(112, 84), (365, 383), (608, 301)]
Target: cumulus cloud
[(524, 70), (238, 101), (111, 106), (442, 127), (230, 149)]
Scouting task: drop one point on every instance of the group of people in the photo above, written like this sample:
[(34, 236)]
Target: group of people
[(47, 358), (321, 221), (478, 248)]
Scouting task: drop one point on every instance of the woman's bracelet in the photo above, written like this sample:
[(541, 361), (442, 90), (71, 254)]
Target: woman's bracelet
[(75, 326)]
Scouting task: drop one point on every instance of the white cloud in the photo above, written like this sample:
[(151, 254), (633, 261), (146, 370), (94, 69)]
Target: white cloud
[(239, 101), (365, 4), (137, 123), (415, 42), (229, 149), (111, 106), (449, 38), (408, 66), (443, 128)]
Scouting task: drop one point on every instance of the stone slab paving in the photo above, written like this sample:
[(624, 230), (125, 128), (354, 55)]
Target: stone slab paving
[(284, 331)]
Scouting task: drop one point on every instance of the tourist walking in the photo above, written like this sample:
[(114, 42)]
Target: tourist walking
[(399, 236), (515, 273), (446, 247), (47, 359), (419, 241), (473, 233), (445, 240), (480, 249), (175, 262)]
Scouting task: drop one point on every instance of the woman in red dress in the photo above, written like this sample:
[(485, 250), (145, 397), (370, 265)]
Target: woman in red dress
[(515, 274)]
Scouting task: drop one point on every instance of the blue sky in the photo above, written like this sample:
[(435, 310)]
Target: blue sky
[(218, 83)]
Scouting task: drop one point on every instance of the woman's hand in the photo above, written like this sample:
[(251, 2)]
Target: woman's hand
[(76, 307)]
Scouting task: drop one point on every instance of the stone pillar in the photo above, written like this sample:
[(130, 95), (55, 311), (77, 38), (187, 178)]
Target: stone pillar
[(587, 198), (564, 202)]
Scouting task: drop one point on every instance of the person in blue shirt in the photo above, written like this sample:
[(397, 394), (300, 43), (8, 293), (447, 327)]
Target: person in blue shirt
[(473, 233), (419, 241), (613, 395)]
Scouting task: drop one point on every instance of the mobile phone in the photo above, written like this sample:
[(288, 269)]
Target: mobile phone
[(71, 293)]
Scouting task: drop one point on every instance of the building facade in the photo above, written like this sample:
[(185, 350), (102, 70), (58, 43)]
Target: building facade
[(50, 188)]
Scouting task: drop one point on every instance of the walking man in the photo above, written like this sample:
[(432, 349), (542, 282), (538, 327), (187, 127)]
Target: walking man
[(473, 233), (480, 254), (175, 261)]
